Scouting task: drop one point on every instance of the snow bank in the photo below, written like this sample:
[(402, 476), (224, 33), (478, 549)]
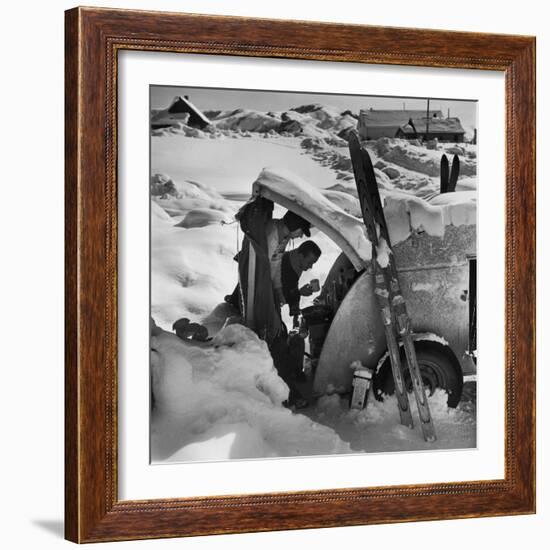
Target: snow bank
[(327, 117), (419, 162), (159, 216), (195, 190), (399, 163), (467, 184), (202, 217), (178, 197), (309, 120), (233, 165), (192, 264), (418, 158), (191, 270), (181, 128), (224, 401), (377, 428), (299, 124), (246, 120), (162, 185), (455, 198), (180, 206), (407, 213)]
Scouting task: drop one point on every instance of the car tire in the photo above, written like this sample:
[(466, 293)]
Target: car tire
[(437, 367)]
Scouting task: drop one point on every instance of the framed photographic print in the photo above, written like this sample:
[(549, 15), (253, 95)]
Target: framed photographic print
[(299, 275)]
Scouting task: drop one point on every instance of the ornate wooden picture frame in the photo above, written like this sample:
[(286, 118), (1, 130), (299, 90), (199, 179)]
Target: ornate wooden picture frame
[(94, 37)]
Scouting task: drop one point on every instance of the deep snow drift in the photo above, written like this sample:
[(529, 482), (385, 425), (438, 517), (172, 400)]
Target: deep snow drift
[(223, 399)]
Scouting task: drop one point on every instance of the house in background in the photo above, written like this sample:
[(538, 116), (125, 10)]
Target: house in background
[(442, 129), (181, 110), (377, 123)]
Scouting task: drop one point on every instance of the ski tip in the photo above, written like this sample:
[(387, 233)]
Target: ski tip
[(456, 164), (455, 171), (444, 173), (353, 138)]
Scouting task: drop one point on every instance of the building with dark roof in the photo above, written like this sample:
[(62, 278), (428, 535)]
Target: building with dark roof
[(443, 129), (180, 110), (377, 123), (408, 124)]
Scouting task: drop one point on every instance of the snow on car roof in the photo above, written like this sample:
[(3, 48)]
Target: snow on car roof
[(292, 192), (405, 213)]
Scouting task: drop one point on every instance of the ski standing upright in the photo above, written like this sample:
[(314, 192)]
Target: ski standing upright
[(397, 324)]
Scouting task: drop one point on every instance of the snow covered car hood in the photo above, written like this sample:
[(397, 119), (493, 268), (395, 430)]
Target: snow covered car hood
[(290, 191)]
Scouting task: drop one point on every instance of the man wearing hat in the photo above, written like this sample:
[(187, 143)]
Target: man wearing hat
[(279, 233)]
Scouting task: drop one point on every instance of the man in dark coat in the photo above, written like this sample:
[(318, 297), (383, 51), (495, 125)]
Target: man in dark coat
[(258, 302), (294, 263), (268, 239)]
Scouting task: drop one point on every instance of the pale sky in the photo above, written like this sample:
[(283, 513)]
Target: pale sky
[(222, 98)]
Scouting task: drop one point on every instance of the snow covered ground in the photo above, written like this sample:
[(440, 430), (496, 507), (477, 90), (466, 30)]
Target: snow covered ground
[(377, 429), (223, 399), (212, 162)]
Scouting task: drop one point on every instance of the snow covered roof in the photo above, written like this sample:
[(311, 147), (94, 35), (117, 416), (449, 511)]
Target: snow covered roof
[(393, 117), (179, 107), (290, 191), (436, 125)]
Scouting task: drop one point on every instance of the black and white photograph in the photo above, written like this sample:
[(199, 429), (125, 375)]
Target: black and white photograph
[(274, 275), (312, 274)]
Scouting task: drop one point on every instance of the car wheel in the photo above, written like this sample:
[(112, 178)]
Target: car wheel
[(437, 368)]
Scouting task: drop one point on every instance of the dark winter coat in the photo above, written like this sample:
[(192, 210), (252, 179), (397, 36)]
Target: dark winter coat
[(253, 218), (290, 279)]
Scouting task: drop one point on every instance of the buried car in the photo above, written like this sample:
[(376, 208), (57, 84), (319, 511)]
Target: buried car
[(435, 252)]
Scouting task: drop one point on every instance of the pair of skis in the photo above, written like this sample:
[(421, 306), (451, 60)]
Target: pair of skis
[(397, 324), (448, 181)]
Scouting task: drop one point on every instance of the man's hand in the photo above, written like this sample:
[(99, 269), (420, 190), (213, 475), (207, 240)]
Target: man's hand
[(306, 290)]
